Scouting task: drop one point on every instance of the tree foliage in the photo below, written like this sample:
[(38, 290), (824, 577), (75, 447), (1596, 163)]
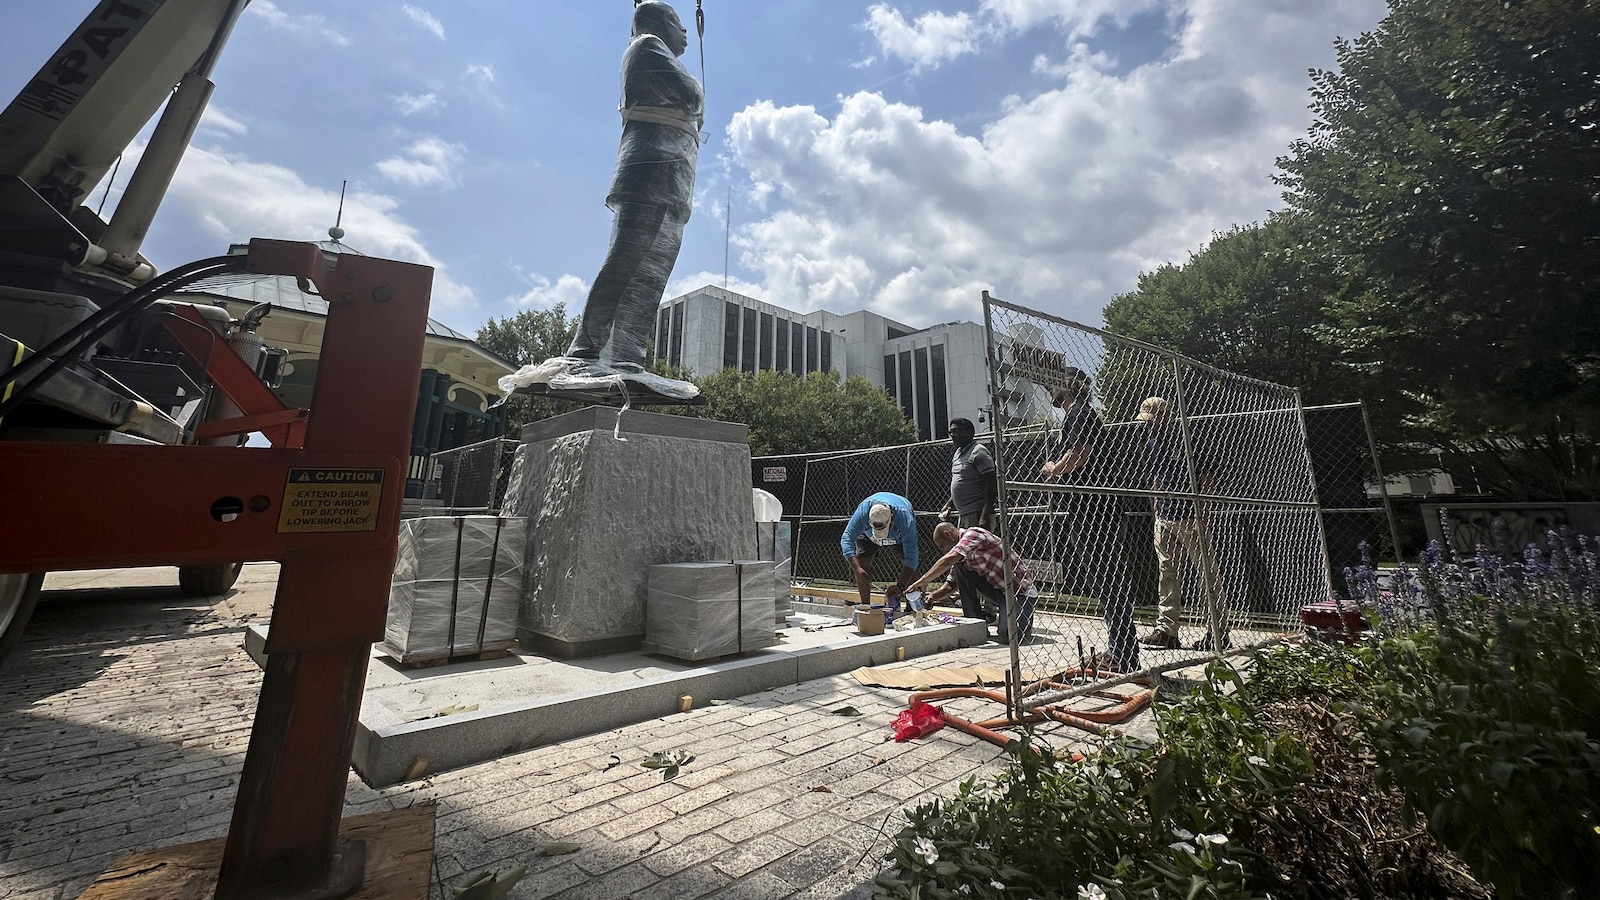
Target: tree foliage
[(530, 336), (788, 413), (1248, 302), (1453, 172)]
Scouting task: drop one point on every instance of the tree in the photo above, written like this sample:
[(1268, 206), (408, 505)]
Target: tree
[(530, 336), (788, 413), (1251, 302), (1454, 171)]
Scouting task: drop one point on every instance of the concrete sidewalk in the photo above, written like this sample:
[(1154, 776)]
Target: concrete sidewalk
[(125, 717)]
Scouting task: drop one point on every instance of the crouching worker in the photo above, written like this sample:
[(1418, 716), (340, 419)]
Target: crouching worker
[(973, 560), (882, 520)]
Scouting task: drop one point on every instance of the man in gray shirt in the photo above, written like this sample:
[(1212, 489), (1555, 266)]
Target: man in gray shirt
[(973, 489)]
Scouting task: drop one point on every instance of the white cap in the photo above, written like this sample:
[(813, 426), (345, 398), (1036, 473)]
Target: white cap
[(881, 517)]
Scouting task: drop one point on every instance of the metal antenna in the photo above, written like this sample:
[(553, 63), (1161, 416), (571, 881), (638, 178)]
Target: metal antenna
[(336, 232)]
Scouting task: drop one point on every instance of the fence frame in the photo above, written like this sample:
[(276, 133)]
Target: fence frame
[(997, 380)]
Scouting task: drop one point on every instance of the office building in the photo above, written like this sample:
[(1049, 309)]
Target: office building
[(936, 373)]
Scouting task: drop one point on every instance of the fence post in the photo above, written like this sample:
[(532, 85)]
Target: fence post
[(1383, 483), (992, 351), (1311, 472)]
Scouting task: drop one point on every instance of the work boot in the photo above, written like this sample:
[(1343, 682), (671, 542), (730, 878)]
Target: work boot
[(1162, 639), (1204, 644)]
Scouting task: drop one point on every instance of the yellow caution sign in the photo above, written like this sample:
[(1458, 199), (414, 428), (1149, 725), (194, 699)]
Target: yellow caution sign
[(328, 500)]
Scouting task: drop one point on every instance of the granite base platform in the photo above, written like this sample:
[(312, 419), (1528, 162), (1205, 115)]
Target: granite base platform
[(418, 722)]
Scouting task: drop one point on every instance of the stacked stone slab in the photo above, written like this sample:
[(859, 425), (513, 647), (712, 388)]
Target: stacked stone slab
[(456, 588), (604, 502), (698, 611)]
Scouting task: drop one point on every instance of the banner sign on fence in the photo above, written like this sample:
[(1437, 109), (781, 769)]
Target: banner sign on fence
[(770, 474), (1038, 365)]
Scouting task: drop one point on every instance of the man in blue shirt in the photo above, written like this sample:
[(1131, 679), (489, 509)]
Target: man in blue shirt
[(881, 520)]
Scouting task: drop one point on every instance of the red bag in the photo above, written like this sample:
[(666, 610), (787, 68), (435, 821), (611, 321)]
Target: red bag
[(921, 720)]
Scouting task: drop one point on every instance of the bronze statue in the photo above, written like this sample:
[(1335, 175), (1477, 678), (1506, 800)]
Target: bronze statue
[(652, 190)]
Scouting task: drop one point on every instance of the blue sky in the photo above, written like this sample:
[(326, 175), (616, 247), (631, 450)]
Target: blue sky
[(897, 156)]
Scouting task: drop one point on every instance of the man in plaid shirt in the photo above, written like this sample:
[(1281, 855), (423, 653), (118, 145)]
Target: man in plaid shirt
[(972, 559)]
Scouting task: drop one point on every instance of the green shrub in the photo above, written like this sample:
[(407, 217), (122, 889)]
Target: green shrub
[(1487, 716), (1165, 820)]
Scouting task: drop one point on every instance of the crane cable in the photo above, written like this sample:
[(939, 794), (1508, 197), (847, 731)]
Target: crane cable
[(700, 30)]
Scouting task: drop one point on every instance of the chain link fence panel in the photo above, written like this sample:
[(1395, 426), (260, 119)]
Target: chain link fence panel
[(1352, 489), (469, 480), (1285, 497), (1192, 518)]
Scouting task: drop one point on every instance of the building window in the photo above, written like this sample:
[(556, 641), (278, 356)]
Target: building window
[(747, 359), (663, 318), (888, 376), (782, 362), (827, 351), (677, 333), (766, 340), (730, 335), (941, 397), (924, 425), (907, 387), (797, 346), (811, 349)]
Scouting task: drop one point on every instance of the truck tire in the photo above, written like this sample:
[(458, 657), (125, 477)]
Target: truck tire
[(19, 594), (208, 581)]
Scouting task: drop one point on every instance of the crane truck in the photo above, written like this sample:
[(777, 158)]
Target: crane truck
[(92, 346)]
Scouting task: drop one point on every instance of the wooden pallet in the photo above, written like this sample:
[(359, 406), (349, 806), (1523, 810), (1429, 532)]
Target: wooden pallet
[(399, 855), (430, 659)]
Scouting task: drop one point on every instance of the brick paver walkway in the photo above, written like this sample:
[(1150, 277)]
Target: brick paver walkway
[(124, 722)]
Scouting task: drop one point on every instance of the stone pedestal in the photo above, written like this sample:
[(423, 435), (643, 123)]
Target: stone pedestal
[(600, 511)]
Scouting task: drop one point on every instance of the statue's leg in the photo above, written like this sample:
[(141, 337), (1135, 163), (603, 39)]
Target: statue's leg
[(636, 313), (634, 231)]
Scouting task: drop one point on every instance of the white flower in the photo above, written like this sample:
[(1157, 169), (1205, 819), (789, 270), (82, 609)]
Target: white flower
[(964, 889), (1091, 892), (925, 849), (1183, 834), (1216, 840), (996, 885), (1182, 845), (1113, 771), (1256, 761)]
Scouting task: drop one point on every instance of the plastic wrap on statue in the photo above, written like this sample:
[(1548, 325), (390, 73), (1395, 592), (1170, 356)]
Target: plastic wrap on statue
[(652, 189)]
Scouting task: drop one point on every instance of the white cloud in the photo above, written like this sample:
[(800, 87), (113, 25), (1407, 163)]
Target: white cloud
[(542, 293), (428, 161), (934, 37), (303, 24), (425, 19), (412, 104), (1077, 18), (234, 199), (683, 284), (1064, 195), (221, 123), (479, 80)]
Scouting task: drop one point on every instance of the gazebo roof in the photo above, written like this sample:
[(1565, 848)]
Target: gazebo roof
[(284, 293)]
